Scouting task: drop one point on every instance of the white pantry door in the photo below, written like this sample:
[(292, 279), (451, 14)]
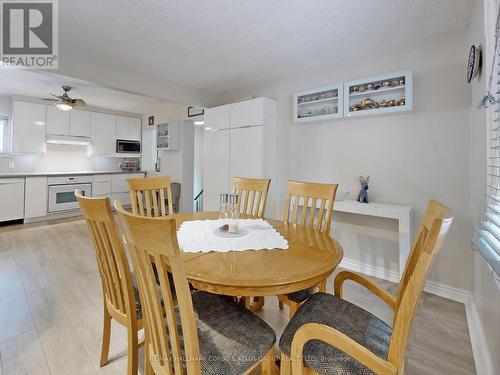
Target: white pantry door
[(215, 167)]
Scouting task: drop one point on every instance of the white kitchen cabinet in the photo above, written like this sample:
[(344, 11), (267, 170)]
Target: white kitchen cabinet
[(245, 156), (103, 133), (123, 198), (218, 117), (12, 198), (215, 167), (57, 121), (35, 200), (101, 188), (246, 148), (29, 127), (119, 187), (128, 128), (79, 123), (247, 113)]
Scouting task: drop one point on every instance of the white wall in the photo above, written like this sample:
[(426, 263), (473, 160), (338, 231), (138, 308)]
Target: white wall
[(411, 158), (485, 291)]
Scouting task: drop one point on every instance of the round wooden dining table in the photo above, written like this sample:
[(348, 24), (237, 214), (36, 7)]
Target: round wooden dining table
[(311, 257)]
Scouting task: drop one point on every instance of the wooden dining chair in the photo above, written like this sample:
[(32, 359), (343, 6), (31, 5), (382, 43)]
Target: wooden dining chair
[(302, 200), (349, 339), (252, 201), (205, 333), (252, 194), (148, 195), (121, 298)]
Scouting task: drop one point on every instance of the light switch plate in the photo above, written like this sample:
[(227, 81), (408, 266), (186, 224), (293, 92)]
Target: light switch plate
[(11, 164)]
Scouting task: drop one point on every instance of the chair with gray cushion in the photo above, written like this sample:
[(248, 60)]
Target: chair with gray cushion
[(302, 200), (205, 333), (329, 335)]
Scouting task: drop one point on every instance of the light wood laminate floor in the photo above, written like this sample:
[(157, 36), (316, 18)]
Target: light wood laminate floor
[(51, 310)]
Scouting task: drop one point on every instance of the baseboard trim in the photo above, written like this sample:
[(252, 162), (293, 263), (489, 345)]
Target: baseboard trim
[(445, 291), (432, 287), (479, 345), (369, 270)]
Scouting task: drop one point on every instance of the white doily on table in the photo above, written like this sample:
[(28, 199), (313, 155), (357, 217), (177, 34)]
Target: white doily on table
[(198, 236)]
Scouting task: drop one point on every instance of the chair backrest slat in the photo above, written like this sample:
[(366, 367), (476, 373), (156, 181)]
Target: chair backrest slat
[(428, 242), (252, 195), (112, 261), (153, 246), (147, 196), (301, 193)]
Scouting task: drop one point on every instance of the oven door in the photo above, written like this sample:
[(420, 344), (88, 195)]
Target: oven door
[(62, 197)]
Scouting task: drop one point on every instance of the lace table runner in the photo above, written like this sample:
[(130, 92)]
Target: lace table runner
[(198, 236)]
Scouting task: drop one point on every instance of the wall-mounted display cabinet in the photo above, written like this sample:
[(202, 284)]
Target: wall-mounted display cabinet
[(166, 136), (381, 94), (386, 93), (318, 104)]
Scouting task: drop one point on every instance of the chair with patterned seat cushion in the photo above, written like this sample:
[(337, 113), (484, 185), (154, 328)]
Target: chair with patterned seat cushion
[(310, 196), (204, 333), (121, 300), (329, 335), (347, 318)]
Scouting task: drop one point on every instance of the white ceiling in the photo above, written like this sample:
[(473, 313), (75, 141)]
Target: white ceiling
[(218, 45), (39, 85)]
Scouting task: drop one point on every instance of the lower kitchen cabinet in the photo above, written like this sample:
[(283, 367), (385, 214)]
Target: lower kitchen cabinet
[(12, 198), (35, 200), (123, 198)]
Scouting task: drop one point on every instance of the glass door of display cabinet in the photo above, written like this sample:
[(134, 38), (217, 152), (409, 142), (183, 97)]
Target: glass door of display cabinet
[(381, 94), (318, 104), (163, 136)]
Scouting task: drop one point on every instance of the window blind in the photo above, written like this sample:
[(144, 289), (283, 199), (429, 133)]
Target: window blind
[(487, 238)]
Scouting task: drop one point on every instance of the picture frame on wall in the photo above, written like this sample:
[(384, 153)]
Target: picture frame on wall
[(151, 120), (193, 111)]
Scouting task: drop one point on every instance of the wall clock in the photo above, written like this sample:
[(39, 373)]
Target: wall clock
[(473, 62)]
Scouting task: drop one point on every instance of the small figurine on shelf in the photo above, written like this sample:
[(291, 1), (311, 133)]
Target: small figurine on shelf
[(363, 191)]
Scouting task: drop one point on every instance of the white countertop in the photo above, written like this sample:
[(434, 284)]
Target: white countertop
[(67, 173)]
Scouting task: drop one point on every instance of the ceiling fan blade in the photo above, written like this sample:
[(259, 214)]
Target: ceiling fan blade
[(55, 96), (79, 102), (50, 100)]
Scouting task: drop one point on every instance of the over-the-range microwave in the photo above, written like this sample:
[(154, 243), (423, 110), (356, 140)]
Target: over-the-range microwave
[(128, 147)]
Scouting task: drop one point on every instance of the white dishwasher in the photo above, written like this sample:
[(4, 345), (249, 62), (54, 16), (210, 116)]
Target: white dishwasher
[(12, 198)]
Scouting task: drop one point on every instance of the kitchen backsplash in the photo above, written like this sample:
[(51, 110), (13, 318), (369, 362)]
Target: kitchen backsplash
[(60, 158)]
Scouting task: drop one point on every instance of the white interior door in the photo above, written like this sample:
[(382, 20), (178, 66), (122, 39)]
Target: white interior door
[(246, 152), (215, 168)]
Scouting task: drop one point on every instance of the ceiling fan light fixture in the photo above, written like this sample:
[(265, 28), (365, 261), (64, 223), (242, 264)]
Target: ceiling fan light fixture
[(63, 106)]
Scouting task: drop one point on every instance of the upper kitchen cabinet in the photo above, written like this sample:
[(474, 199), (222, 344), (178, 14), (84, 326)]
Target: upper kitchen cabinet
[(128, 128), (218, 117), (57, 121), (29, 129), (75, 123), (236, 115), (103, 133), (247, 113), (79, 123)]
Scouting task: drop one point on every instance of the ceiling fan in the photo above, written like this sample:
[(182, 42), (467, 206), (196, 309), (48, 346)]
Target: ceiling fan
[(64, 102)]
